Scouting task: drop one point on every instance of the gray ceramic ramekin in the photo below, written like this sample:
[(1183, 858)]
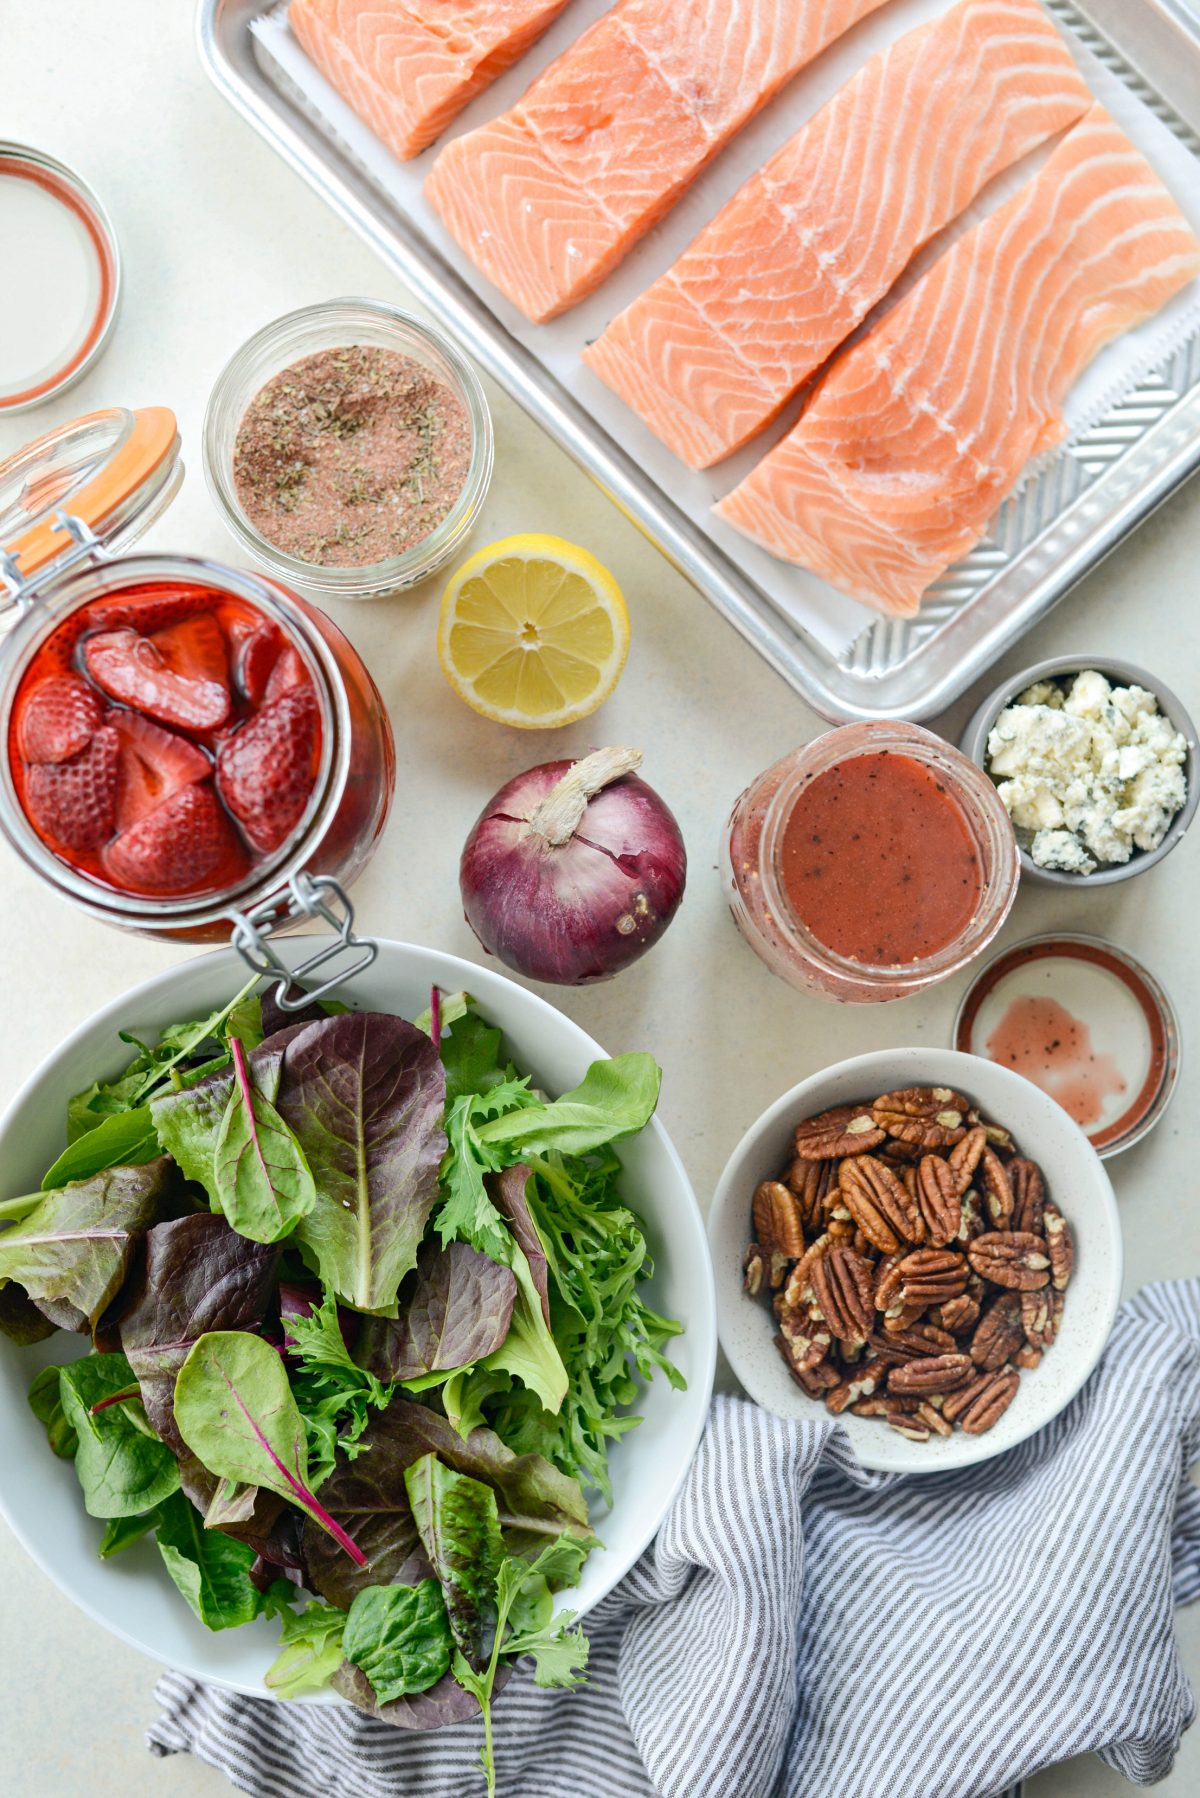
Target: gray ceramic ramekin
[(1123, 674)]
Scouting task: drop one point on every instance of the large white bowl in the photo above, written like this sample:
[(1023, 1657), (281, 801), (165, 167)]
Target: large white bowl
[(39, 1494), (1075, 1180)]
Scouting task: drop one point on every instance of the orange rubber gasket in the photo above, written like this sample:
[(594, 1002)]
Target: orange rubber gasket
[(66, 195), (144, 450)]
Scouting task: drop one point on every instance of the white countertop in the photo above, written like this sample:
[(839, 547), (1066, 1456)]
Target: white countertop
[(218, 237)]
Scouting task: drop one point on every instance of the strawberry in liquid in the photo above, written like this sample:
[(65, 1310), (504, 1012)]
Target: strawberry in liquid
[(165, 739)]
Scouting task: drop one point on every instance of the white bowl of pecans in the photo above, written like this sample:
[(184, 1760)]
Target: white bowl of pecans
[(921, 1246)]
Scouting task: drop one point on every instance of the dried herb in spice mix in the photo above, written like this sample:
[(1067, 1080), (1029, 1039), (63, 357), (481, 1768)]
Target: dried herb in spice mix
[(351, 456)]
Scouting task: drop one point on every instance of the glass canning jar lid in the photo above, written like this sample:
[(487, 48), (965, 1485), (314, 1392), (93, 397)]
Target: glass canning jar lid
[(71, 502), (62, 281)]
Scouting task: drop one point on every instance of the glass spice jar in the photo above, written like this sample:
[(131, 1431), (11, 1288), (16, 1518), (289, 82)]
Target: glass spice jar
[(906, 878), (333, 326), (105, 673)]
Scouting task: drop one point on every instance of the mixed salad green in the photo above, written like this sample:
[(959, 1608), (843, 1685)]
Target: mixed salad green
[(366, 1315)]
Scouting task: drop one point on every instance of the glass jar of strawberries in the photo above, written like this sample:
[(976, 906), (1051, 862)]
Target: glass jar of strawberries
[(188, 746)]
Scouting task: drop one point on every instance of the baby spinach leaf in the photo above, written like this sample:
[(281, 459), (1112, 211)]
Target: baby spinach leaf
[(311, 1653), (235, 1410), (45, 1401), (455, 1308), (400, 1637), (123, 1467), (74, 1248), (261, 1178), (615, 1098), (364, 1094), (125, 1139), (459, 1526), (121, 1533), (210, 1569)]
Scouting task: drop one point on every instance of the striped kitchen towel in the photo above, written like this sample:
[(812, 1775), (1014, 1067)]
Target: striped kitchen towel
[(804, 1629)]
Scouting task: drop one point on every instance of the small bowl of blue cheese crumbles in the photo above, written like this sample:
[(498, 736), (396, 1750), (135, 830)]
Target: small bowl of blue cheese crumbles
[(1095, 762)]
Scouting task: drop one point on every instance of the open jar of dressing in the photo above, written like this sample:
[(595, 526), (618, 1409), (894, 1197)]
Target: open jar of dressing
[(189, 750), (348, 447), (870, 864)]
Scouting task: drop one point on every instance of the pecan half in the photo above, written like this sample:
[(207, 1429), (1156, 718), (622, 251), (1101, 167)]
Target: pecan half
[(798, 1292), (1012, 1258), (939, 1199), (932, 1373), (805, 1341), (1041, 1313), (963, 1158), (997, 1190), (917, 1341), (902, 1317), (846, 1130), (931, 1276), (888, 1279), (842, 1286), (957, 1316), (930, 1115), (1000, 1333), (811, 1182), (881, 1405), (1061, 1245), (989, 1400), (1028, 1356), (1029, 1194), (900, 1154), (972, 1224), (777, 1222), (879, 1203)]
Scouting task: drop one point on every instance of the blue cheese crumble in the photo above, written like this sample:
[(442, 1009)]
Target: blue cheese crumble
[(1087, 772)]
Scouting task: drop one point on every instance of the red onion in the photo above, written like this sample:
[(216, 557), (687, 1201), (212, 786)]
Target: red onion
[(574, 869)]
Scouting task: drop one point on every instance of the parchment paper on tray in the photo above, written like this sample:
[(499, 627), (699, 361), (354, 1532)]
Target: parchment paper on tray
[(833, 620)]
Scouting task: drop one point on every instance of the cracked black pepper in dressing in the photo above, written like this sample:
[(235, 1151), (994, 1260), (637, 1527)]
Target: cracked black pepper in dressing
[(878, 860)]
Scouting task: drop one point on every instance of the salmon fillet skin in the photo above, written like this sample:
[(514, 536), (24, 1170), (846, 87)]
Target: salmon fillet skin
[(923, 427), (547, 199), (408, 67), (711, 352)]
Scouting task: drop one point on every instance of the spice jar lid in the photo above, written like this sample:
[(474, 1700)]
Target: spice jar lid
[(108, 473), (1084, 1021), (62, 277)]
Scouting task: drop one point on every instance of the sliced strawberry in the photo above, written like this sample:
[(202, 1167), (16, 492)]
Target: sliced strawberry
[(187, 843), (58, 719), (154, 764), (288, 672), (73, 803), (176, 676), (57, 653), (265, 773), (152, 611), (255, 660)]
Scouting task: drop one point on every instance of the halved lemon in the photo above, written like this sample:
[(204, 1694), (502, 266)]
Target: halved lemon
[(533, 632)]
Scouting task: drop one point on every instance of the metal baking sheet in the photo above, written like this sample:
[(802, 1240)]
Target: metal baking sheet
[(1081, 503)]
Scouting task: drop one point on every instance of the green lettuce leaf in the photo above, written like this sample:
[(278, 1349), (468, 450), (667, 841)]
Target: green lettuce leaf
[(123, 1467), (311, 1653), (459, 1526), (400, 1638), (615, 1098), (211, 1569)]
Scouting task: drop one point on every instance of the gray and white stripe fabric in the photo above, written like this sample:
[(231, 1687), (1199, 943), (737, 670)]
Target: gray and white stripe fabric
[(803, 1629)]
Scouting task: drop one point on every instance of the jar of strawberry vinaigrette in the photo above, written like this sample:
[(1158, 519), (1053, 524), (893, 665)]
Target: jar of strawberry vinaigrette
[(190, 751)]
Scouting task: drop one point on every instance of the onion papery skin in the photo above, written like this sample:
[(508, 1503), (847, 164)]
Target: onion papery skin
[(581, 912)]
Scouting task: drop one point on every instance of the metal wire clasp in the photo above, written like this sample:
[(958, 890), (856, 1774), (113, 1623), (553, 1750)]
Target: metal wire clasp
[(309, 896), (82, 545)]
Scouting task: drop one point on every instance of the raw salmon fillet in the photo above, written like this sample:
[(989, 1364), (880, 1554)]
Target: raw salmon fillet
[(408, 67), (923, 427), (793, 264), (549, 197)]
